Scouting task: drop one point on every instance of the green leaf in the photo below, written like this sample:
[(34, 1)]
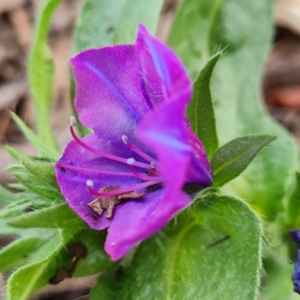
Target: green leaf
[(17, 208), (41, 72), (201, 111), (190, 34), (211, 251), (38, 188), (106, 287), (41, 168), (102, 23), (5, 196), (33, 139), (133, 13), (233, 158), (18, 251), (277, 285), (51, 217), (293, 208), (199, 29), (97, 259), (41, 267)]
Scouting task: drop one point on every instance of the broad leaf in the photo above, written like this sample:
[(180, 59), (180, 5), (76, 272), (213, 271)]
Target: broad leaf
[(41, 72), (102, 23), (201, 111), (199, 29), (211, 251), (233, 158)]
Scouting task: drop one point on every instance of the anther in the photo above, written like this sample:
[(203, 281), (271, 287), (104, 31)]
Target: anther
[(72, 121), (131, 161), (125, 139), (89, 183), (153, 165)]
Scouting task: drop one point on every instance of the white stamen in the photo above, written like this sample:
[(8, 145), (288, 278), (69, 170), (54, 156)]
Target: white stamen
[(89, 183), (153, 165), (131, 161), (125, 139), (72, 121)]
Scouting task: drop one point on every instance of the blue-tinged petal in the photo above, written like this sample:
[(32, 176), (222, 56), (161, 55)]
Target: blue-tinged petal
[(139, 219), (72, 181), (162, 74), (109, 97)]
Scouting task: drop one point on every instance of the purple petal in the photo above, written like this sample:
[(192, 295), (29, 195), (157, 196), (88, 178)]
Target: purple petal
[(73, 182), (109, 97), (200, 170), (162, 74), (139, 219), (164, 132)]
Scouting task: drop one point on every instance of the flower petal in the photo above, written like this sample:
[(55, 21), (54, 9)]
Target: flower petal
[(164, 132), (73, 182), (199, 170), (162, 74), (139, 219), (109, 97)]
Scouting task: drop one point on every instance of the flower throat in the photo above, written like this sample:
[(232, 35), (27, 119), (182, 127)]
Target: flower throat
[(110, 196)]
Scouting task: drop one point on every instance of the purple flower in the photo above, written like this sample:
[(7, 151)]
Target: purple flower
[(295, 234), (128, 175)]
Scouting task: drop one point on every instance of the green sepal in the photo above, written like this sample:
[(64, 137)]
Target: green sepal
[(201, 111), (232, 159)]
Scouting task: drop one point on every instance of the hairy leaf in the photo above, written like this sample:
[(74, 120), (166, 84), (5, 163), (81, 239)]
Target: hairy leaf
[(211, 251)]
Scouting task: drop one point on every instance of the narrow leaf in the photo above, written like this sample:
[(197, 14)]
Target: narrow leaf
[(211, 251), (41, 268), (201, 111), (102, 24), (37, 142), (16, 208), (38, 188), (43, 169), (233, 158), (293, 207), (18, 251), (41, 72), (5, 196), (51, 217)]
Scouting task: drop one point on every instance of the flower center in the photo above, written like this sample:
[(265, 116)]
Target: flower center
[(110, 196)]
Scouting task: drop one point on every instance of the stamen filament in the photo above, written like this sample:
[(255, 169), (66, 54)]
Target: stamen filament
[(103, 154), (144, 177), (94, 171), (120, 191), (137, 150)]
